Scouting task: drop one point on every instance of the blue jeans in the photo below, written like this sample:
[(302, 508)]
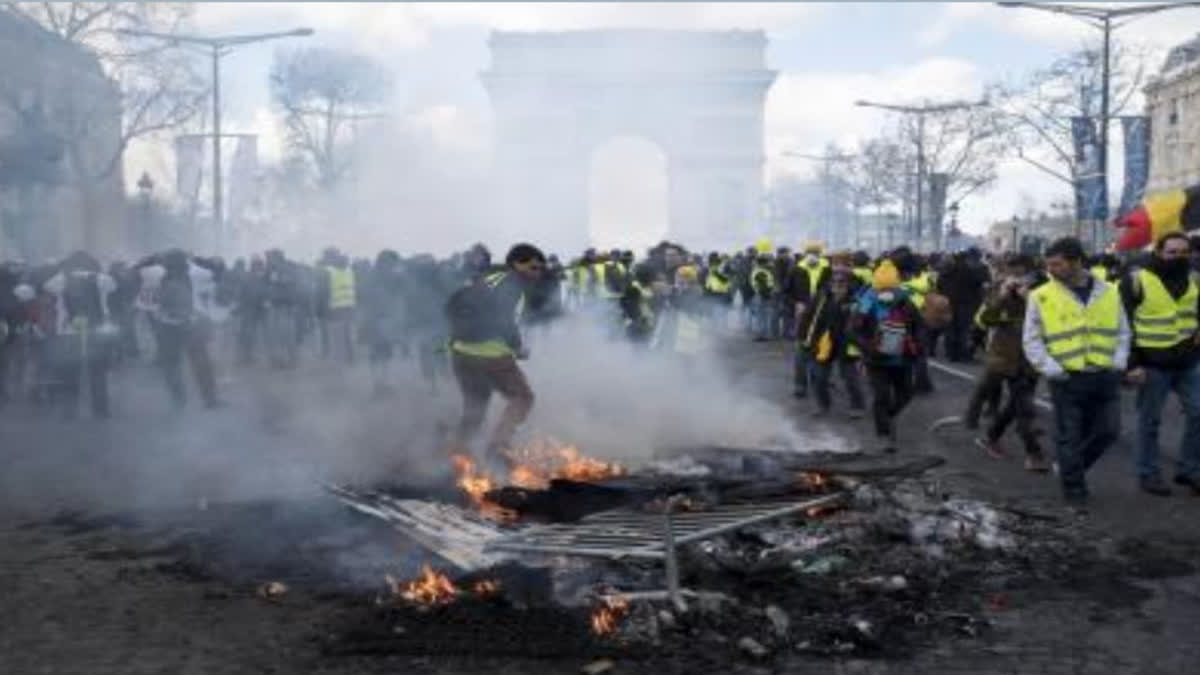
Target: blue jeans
[(802, 371), (1087, 420), (761, 313), (1151, 398)]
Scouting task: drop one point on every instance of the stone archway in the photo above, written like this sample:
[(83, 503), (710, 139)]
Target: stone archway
[(698, 95), (628, 194)]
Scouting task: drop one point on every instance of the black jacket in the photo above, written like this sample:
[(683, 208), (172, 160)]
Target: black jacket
[(1179, 357), (486, 309)]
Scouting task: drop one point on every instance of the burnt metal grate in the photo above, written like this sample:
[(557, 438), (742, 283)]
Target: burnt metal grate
[(625, 533), (447, 530)]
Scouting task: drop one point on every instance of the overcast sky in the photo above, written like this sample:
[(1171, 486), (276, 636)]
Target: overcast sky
[(828, 55)]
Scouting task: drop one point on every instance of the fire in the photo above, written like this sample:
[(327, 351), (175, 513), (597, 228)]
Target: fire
[(525, 477), (608, 615), (543, 460), (813, 480), (470, 480), (434, 588), (431, 588), (486, 587), (533, 467), (578, 467)]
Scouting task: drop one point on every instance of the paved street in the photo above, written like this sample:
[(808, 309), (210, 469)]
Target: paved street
[(103, 598)]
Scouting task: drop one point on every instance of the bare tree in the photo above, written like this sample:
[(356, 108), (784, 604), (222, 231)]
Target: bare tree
[(323, 95), (877, 172), (157, 89), (966, 144), (1041, 104)]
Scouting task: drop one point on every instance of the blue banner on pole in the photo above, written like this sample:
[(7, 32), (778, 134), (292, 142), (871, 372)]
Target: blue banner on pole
[(1091, 193), (1137, 161)]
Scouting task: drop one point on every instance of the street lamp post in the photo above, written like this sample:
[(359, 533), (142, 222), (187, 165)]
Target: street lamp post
[(921, 111), (218, 46), (1102, 18), (953, 211)]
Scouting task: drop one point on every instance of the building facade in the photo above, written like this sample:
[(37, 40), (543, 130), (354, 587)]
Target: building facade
[(61, 184), (1173, 106)]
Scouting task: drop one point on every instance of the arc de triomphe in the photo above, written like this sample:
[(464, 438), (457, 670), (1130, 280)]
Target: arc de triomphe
[(698, 95)]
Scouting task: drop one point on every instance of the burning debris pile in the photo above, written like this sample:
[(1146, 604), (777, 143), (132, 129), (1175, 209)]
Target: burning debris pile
[(722, 554), (533, 467)]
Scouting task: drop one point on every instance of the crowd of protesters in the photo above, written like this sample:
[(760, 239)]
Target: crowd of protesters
[(1084, 325)]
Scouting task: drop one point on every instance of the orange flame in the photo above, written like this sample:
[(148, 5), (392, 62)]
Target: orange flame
[(534, 466), (607, 616), (474, 483), (813, 480), (543, 460), (486, 587), (431, 588)]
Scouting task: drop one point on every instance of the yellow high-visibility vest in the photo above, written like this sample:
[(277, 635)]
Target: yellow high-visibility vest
[(600, 270), (579, 277), (341, 288), (864, 274), (917, 288), (489, 349), (761, 272), (813, 274), (1161, 321), (716, 283), (1079, 337), (1100, 272)]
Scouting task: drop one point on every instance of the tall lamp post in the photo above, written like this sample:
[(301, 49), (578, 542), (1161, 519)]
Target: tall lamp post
[(217, 46), (921, 111), (953, 213), (1104, 19)]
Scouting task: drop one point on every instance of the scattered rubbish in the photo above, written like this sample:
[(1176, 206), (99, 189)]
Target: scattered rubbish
[(272, 590), (780, 623), (597, 667), (892, 583), (753, 647), (820, 566)]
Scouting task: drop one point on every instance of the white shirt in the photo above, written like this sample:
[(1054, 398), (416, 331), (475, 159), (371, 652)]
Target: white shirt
[(1035, 345)]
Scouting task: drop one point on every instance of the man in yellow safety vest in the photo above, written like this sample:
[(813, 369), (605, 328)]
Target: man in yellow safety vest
[(1163, 299), (1077, 336), (337, 299), (809, 277), (485, 345)]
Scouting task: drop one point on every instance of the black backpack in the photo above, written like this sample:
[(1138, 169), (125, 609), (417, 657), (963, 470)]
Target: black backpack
[(81, 296), (468, 311), (175, 301)]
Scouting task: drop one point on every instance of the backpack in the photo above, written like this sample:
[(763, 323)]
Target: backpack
[(467, 311), (175, 302), (81, 297), (937, 312), (892, 336)]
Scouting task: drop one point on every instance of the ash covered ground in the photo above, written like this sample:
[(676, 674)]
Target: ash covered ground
[(174, 580)]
